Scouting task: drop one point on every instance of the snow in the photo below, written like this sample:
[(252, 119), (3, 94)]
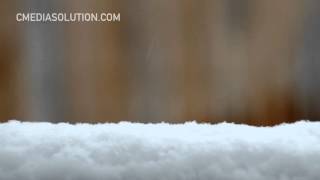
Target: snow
[(133, 151)]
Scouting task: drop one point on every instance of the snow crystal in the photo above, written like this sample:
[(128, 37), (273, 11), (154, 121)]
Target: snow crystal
[(133, 151)]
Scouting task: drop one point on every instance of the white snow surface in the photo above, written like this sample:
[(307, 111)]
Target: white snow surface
[(133, 151)]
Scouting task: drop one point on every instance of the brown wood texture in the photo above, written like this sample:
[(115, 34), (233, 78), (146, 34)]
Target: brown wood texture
[(205, 60)]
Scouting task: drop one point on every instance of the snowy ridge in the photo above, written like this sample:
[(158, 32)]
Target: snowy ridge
[(133, 151)]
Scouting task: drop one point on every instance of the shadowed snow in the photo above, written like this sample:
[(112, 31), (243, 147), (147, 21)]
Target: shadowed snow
[(132, 151)]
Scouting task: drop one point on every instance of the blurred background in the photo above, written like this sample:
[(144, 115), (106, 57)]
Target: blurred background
[(243, 61)]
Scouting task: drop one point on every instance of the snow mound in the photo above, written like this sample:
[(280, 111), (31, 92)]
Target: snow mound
[(133, 151)]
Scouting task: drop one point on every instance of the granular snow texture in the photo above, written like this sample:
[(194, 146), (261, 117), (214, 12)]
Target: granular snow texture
[(132, 151)]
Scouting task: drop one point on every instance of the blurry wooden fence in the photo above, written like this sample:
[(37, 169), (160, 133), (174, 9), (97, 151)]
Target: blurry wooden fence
[(209, 60)]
